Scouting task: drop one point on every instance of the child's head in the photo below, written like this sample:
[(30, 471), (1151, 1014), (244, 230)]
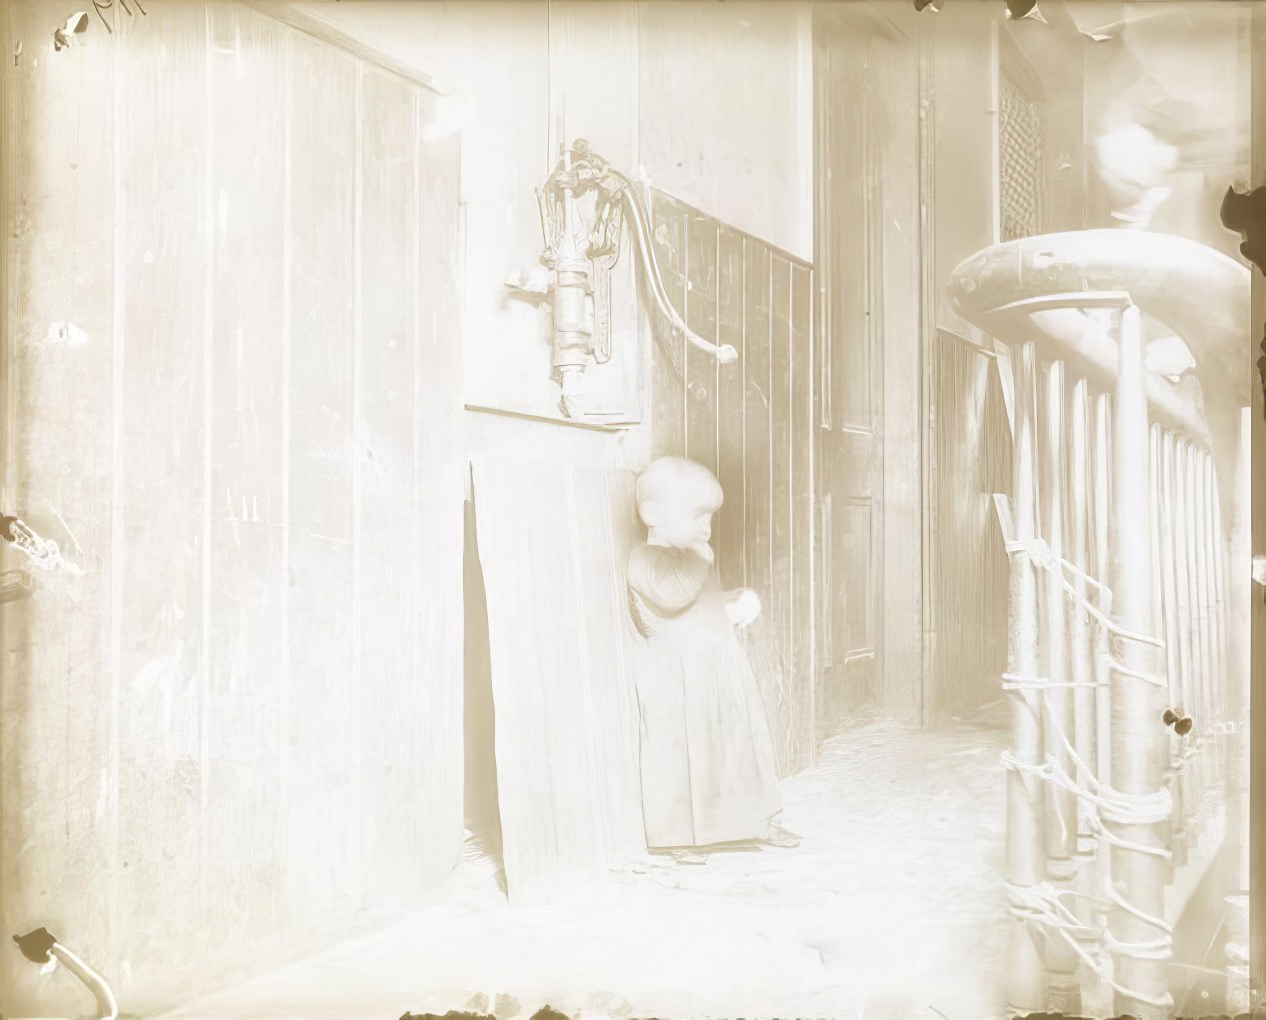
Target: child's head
[(676, 499)]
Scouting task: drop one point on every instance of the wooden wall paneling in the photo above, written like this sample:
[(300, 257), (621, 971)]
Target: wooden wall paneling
[(779, 605), (970, 565), (846, 237), (758, 474), (441, 472), (876, 130), (206, 420), (162, 541), (942, 634), (894, 100), (568, 661), (729, 535), (802, 495), (321, 798), (668, 378), (947, 630), (702, 370), (391, 693), (511, 545), (555, 674), (995, 477), (602, 518), (61, 176), (247, 677)]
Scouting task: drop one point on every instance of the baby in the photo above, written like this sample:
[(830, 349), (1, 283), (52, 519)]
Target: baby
[(707, 762)]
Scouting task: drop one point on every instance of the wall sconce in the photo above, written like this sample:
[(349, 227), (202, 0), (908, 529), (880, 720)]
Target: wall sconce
[(580, 252), (928, 5)]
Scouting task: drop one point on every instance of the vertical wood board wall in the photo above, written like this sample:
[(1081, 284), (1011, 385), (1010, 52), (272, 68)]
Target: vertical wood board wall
[(240, 729), (751, 423)]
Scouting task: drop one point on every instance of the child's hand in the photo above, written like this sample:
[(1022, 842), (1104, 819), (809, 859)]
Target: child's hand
[(742, 606)]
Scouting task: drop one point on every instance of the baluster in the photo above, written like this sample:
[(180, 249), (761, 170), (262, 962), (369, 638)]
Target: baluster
[(1103, 571), (1195, 687), (1217, 657), (1239, 652), (1081, 665), (1203, 728), (1026, 860), (1137, 705), (1186, 631), (1173, 648), (1097, 993), (1057, 704)]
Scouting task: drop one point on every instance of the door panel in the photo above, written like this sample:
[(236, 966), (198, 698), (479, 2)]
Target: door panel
[(850, 385)]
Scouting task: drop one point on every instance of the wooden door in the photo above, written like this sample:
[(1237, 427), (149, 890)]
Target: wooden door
[(850, 406)]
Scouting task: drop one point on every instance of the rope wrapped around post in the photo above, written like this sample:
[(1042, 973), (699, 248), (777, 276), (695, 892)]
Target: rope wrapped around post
[(1123, 815)]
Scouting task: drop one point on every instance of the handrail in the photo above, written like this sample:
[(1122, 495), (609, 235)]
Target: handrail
[(1199, 293), (1092, 351)]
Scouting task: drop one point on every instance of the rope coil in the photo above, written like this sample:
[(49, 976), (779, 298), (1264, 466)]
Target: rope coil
[(1039, 905), (1105, 807)]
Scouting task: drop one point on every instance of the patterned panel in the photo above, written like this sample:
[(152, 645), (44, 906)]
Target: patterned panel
[(1020, 133)]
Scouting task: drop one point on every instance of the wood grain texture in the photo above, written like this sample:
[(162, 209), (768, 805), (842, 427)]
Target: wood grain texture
[(55, 840), (901, 254), (248, 679), (441, 473), (161, 552), (392, 690), (234, 783), (322, 295), (729, 531), (1256, 499), (669, 373), (778, 606), (702, 370), (802, 493), (553, 541), (970, 565), (850, 448), (744, 421), (760, 637)]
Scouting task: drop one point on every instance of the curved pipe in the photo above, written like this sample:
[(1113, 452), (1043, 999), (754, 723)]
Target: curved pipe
[(107, 1006), (723, 353), (41, 946)]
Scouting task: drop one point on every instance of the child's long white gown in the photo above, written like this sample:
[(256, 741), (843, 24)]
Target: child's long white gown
[(707, 760)]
